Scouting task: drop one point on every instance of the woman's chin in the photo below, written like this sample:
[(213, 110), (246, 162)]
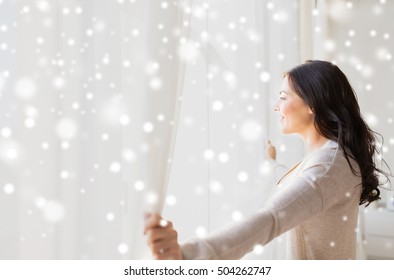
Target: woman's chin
[(284, 130), (283, 127)]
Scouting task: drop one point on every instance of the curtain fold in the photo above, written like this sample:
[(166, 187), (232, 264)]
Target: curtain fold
[(153, 86)]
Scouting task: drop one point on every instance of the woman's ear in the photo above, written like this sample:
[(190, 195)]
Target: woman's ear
[(311, 112)]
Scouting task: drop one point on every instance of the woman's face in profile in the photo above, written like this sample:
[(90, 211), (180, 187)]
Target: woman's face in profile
[(295, 115)]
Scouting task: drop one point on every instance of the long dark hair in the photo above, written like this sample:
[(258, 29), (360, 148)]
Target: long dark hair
[(325, 88)]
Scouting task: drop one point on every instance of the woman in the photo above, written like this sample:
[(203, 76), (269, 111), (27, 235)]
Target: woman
[(318, 199)]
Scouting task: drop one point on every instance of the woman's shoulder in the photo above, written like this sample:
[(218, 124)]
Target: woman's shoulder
[(325, 154), (332, 160)]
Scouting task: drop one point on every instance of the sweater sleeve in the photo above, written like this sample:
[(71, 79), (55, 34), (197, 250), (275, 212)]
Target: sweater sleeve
[(296, 202)]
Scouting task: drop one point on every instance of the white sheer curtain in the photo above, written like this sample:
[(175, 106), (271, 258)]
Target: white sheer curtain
[(153, 87), (61, 144), (89, 101), (220, 172)]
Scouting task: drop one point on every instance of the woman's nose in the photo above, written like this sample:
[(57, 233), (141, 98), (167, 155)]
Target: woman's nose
[(276, 107)]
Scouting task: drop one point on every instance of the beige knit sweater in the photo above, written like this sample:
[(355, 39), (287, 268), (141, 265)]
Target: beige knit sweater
[(317, 201)]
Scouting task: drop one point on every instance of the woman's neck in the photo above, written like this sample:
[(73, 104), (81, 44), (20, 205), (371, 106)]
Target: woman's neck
[(313, 142)]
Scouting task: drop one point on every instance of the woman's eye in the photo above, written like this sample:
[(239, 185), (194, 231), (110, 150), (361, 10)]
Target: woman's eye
[(282, 98)]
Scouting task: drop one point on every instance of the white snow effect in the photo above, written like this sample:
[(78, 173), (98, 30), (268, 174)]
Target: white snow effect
[(237, 215), (258, 249), (163, 223), (253, 36), (30, 123), (25, 88), (31, 111), (188, 51), (66, 128), (126, 63), (339, 11), (110, 216), (209, 154), (164, 5), (2, 84), (100, 26), (199, 12), (65, 145), (64, 174), (105, 60), (53, 211), (216, 187), (330, 45), (151, 198), (367, 71), (223, 157), (201, 232), (171, 200), (148, 127), (270, 5), (265, 77), (372, 33), (188, 121), (265, 168), (124, 120), (112, 109), (9, 188), (123, 248), (58, 82), (45, 145), (281, 56), (383, 54), (115, 167), (282, 148), (129, 155), (230, 79), (250, 130), (243, 176), (217, 106), (281, 16), (89, 32), (139, 186), (156, 83), (6, 132), (160, 117), (10, 151), (151, 68), (371, 119)]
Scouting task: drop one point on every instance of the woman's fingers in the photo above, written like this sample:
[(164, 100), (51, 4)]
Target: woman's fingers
[(271, 150), (163, 246), (166, 251), (162, 238), (171, 254), (160, 234), (154, 220)]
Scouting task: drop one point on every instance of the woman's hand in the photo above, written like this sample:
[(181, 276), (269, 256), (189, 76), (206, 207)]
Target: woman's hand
[(162, 238), (271, 150)]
